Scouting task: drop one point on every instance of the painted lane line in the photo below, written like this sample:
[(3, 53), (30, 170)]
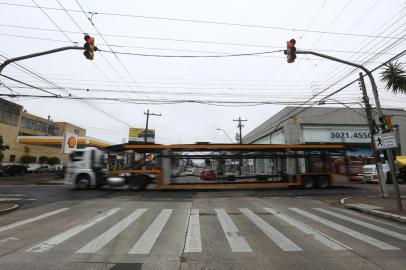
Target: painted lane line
[(235, 240), (99, 242), (364, 224), (56, 240), (365, 238), (147, 240), (319, 236), (193, 238), (29, 220), (278, 238), (374, 219)]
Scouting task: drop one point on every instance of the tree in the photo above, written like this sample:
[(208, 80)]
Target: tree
[(394, 76), (43, 159), (27, 159), (53, 160), (2, 148)]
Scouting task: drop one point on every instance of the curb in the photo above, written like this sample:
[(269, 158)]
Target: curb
[(7, 210), (378, 213)]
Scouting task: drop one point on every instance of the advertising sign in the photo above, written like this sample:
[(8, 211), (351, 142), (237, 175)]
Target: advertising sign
[(70, 143), (336, 134), (138, 135)]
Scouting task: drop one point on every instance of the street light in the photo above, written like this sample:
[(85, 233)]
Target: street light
[(226, 134)]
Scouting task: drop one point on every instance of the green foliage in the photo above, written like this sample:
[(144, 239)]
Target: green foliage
[(43, 159), (2, 148), (27, 159), (53, 160), (394, 76)]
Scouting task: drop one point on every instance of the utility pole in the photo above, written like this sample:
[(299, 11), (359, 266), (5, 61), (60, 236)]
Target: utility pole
[(240, 126), (389, 153), (146, 126), (48, 123), (372, 131)]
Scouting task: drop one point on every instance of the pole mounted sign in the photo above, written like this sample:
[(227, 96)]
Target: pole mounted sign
[(70, 142), (386, 140)]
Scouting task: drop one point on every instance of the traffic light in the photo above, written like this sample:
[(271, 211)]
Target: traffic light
[(89, 47), (387, 123), (291, 50)]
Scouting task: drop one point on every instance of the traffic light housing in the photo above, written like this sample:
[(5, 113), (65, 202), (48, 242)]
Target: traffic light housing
[(387, 123), (89, 47), (291, 50)]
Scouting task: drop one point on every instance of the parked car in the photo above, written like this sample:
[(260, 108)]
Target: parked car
[(208, 175), (13, 170), (44, 169)]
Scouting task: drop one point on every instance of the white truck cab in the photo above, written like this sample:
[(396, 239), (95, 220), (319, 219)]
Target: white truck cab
[(85, 168)]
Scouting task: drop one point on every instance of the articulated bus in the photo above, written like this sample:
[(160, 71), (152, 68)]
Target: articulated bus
[(207, 166)]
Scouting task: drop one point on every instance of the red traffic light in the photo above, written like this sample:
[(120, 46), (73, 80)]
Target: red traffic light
[(89, 47), (291, 50)]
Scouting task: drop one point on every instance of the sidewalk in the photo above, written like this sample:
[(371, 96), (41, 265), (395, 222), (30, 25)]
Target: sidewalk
[(382, 207)]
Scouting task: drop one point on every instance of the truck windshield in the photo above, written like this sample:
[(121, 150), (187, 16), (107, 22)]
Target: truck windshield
[(76, 156)]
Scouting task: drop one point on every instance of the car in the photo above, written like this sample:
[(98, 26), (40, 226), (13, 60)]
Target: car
[(208, 175), (13, 170), (43, 169), (190, 171)]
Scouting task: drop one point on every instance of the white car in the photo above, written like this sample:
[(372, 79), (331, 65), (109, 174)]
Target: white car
[(370, 174), (190, 171)]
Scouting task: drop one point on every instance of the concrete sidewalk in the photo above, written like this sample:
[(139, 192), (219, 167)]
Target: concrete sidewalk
[(382, 207)]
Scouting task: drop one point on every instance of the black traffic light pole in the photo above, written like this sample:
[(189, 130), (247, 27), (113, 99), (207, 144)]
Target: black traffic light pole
[(11, 60), (380, 113)]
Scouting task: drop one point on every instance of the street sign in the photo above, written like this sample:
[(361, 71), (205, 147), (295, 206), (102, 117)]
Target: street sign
[(386, 140)]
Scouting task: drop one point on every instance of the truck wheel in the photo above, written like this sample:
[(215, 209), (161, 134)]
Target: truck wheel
[(83, 182), (138, 182), (307, 182), (323, 182)]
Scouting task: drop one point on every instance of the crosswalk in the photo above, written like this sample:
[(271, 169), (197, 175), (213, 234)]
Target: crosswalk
[(321, 225)]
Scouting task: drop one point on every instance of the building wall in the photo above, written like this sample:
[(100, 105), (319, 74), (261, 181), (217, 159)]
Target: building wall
[(11, 115)]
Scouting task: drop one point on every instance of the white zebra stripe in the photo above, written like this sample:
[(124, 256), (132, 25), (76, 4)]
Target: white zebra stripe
[(147, 240), (365, 238)]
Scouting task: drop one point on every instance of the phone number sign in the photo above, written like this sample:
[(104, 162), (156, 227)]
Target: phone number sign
[(336, 134)]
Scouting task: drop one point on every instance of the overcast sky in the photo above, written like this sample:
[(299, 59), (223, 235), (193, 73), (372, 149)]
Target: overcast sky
[(367, 32)]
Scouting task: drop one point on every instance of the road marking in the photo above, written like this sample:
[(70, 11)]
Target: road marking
[(29, 220), (237, 243), (50, 243), (365, 238), (147, 240), (364, 224), (319, 236), (193, 239), (99, 242), (278, 238), (375, 219)]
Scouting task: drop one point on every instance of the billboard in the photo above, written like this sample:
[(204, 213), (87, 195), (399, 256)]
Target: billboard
[(138, 135), (70, 143)]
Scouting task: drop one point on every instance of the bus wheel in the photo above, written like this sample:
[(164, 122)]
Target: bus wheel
[(323, 182), (307, 182), (83, 182)]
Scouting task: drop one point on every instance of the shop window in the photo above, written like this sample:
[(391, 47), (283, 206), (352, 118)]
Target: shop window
[(12, 158)]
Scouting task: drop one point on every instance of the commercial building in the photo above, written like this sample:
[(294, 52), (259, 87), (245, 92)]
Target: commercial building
[(28, 134), (324, 125)]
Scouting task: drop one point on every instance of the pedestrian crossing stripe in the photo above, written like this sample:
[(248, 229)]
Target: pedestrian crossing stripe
[(193, 241)]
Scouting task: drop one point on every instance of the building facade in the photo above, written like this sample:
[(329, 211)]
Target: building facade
[(28, 134), (323, 125)]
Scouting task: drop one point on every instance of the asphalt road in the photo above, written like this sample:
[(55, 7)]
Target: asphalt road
[(226, 229)]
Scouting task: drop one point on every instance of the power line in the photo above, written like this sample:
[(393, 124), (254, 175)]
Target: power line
[(205, 22), (193, 56)]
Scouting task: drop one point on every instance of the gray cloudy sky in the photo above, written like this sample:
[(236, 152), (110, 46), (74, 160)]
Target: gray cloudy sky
[(364, 31)]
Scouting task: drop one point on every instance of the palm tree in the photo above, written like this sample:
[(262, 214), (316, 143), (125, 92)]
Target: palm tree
[(394, 76)]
